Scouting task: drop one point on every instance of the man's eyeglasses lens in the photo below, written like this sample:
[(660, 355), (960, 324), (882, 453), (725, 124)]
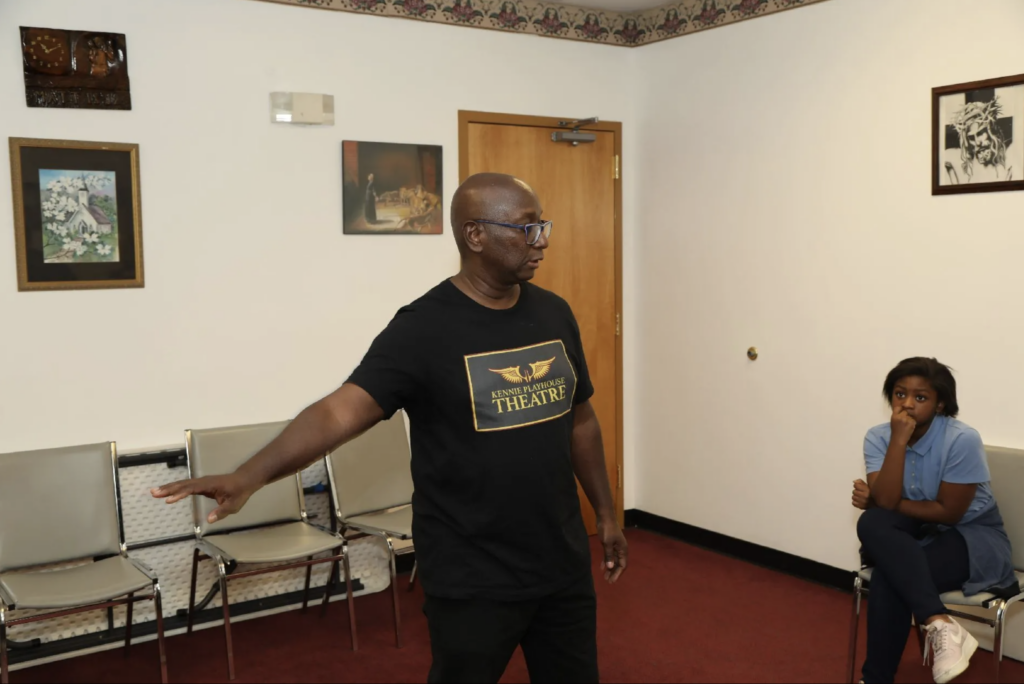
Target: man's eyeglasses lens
[(534, 230)]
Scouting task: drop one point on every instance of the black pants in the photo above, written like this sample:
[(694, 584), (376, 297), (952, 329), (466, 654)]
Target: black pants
[(907, 581), (473, 640)]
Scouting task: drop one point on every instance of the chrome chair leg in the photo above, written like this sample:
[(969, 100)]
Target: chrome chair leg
[(858, 586), (128, 625), (997, 640), (227, 618), (192, 592), (305, 595), (394, 591), (350, 599), (412, 576), (158, 605), (3, 645), (327, 587)]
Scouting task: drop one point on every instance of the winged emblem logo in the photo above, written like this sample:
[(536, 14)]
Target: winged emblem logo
[(515, 375)]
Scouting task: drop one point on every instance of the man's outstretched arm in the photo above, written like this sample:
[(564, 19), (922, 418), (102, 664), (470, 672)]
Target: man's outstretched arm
[(321, 427)]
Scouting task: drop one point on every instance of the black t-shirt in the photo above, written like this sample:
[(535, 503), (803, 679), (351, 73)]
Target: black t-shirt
[(490, 397)]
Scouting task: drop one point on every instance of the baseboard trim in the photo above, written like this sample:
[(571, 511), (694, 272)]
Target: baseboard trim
[(766, 557)]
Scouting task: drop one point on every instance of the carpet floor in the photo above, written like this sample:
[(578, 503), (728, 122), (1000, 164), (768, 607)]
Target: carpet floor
[(679, 614)]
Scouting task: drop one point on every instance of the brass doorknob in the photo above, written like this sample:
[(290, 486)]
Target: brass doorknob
[(752, 353)]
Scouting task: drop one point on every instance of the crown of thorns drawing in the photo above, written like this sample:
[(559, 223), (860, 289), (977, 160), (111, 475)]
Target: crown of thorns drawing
[(983, 114)]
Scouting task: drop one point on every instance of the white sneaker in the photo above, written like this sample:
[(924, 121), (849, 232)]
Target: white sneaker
[(951, 647)]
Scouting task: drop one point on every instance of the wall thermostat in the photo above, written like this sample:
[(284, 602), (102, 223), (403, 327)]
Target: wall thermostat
[(310, 109)]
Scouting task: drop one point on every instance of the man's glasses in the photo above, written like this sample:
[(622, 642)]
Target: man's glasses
[(532, 230)]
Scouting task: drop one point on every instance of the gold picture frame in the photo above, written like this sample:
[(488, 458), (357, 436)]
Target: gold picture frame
[(77, 214)]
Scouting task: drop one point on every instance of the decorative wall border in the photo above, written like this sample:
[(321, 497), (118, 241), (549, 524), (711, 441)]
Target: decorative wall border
[(570, 22)]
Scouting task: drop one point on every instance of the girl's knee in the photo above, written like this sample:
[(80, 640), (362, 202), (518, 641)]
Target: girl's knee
[(873, 520)]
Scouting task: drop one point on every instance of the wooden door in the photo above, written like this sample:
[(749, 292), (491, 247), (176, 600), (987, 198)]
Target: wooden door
[(579, 192)]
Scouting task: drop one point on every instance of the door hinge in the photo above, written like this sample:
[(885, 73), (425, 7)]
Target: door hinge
[(615, 168), (620, 477), (618, 325)]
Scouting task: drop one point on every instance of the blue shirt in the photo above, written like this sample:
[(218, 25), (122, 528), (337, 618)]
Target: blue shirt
[(953, 452)]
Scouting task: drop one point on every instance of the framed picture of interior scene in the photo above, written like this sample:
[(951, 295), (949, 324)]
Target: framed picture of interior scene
[(391, 188), (978, 136), (77, 214)]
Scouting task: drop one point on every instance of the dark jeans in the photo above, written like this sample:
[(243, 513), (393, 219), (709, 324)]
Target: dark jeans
[(473, 640), (907, 581)]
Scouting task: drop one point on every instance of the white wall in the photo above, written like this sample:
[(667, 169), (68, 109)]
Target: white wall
[(255, 304), (785, 203)]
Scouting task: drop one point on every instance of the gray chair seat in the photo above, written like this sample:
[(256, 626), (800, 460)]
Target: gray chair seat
[(955, 598), (78, 586), (276, 544), (397, 523)]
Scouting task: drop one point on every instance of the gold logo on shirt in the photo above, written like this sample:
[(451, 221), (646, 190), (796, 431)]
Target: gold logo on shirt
[(514, 374), (513, 388)]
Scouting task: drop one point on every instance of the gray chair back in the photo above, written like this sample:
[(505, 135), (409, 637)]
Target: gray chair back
[(1007, 469), (372, 472), (220, 451), (58, 505)]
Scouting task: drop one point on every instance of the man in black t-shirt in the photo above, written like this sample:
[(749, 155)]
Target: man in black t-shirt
[(491, 372)]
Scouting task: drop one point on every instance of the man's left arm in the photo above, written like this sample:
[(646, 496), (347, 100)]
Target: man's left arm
[(589, 465)]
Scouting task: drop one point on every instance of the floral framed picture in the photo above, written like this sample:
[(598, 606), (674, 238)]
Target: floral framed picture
[(978, 136), (77, 214)]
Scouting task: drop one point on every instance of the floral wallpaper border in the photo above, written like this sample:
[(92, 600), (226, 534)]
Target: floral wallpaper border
[(557, 20)]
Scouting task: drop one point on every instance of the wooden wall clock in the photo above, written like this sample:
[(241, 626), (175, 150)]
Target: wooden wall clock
[(75, 69)]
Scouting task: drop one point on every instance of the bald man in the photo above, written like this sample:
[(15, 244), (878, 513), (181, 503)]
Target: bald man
[(491, 372)]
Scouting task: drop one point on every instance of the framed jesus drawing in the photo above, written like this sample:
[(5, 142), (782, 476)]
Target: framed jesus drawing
[(978, 136)]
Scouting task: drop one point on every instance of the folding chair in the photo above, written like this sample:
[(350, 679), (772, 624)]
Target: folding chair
[(58, 506), (372, 488), (272, 527), (1007, 469)]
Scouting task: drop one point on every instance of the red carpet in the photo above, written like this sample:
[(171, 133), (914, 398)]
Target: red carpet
[(680, 614)]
